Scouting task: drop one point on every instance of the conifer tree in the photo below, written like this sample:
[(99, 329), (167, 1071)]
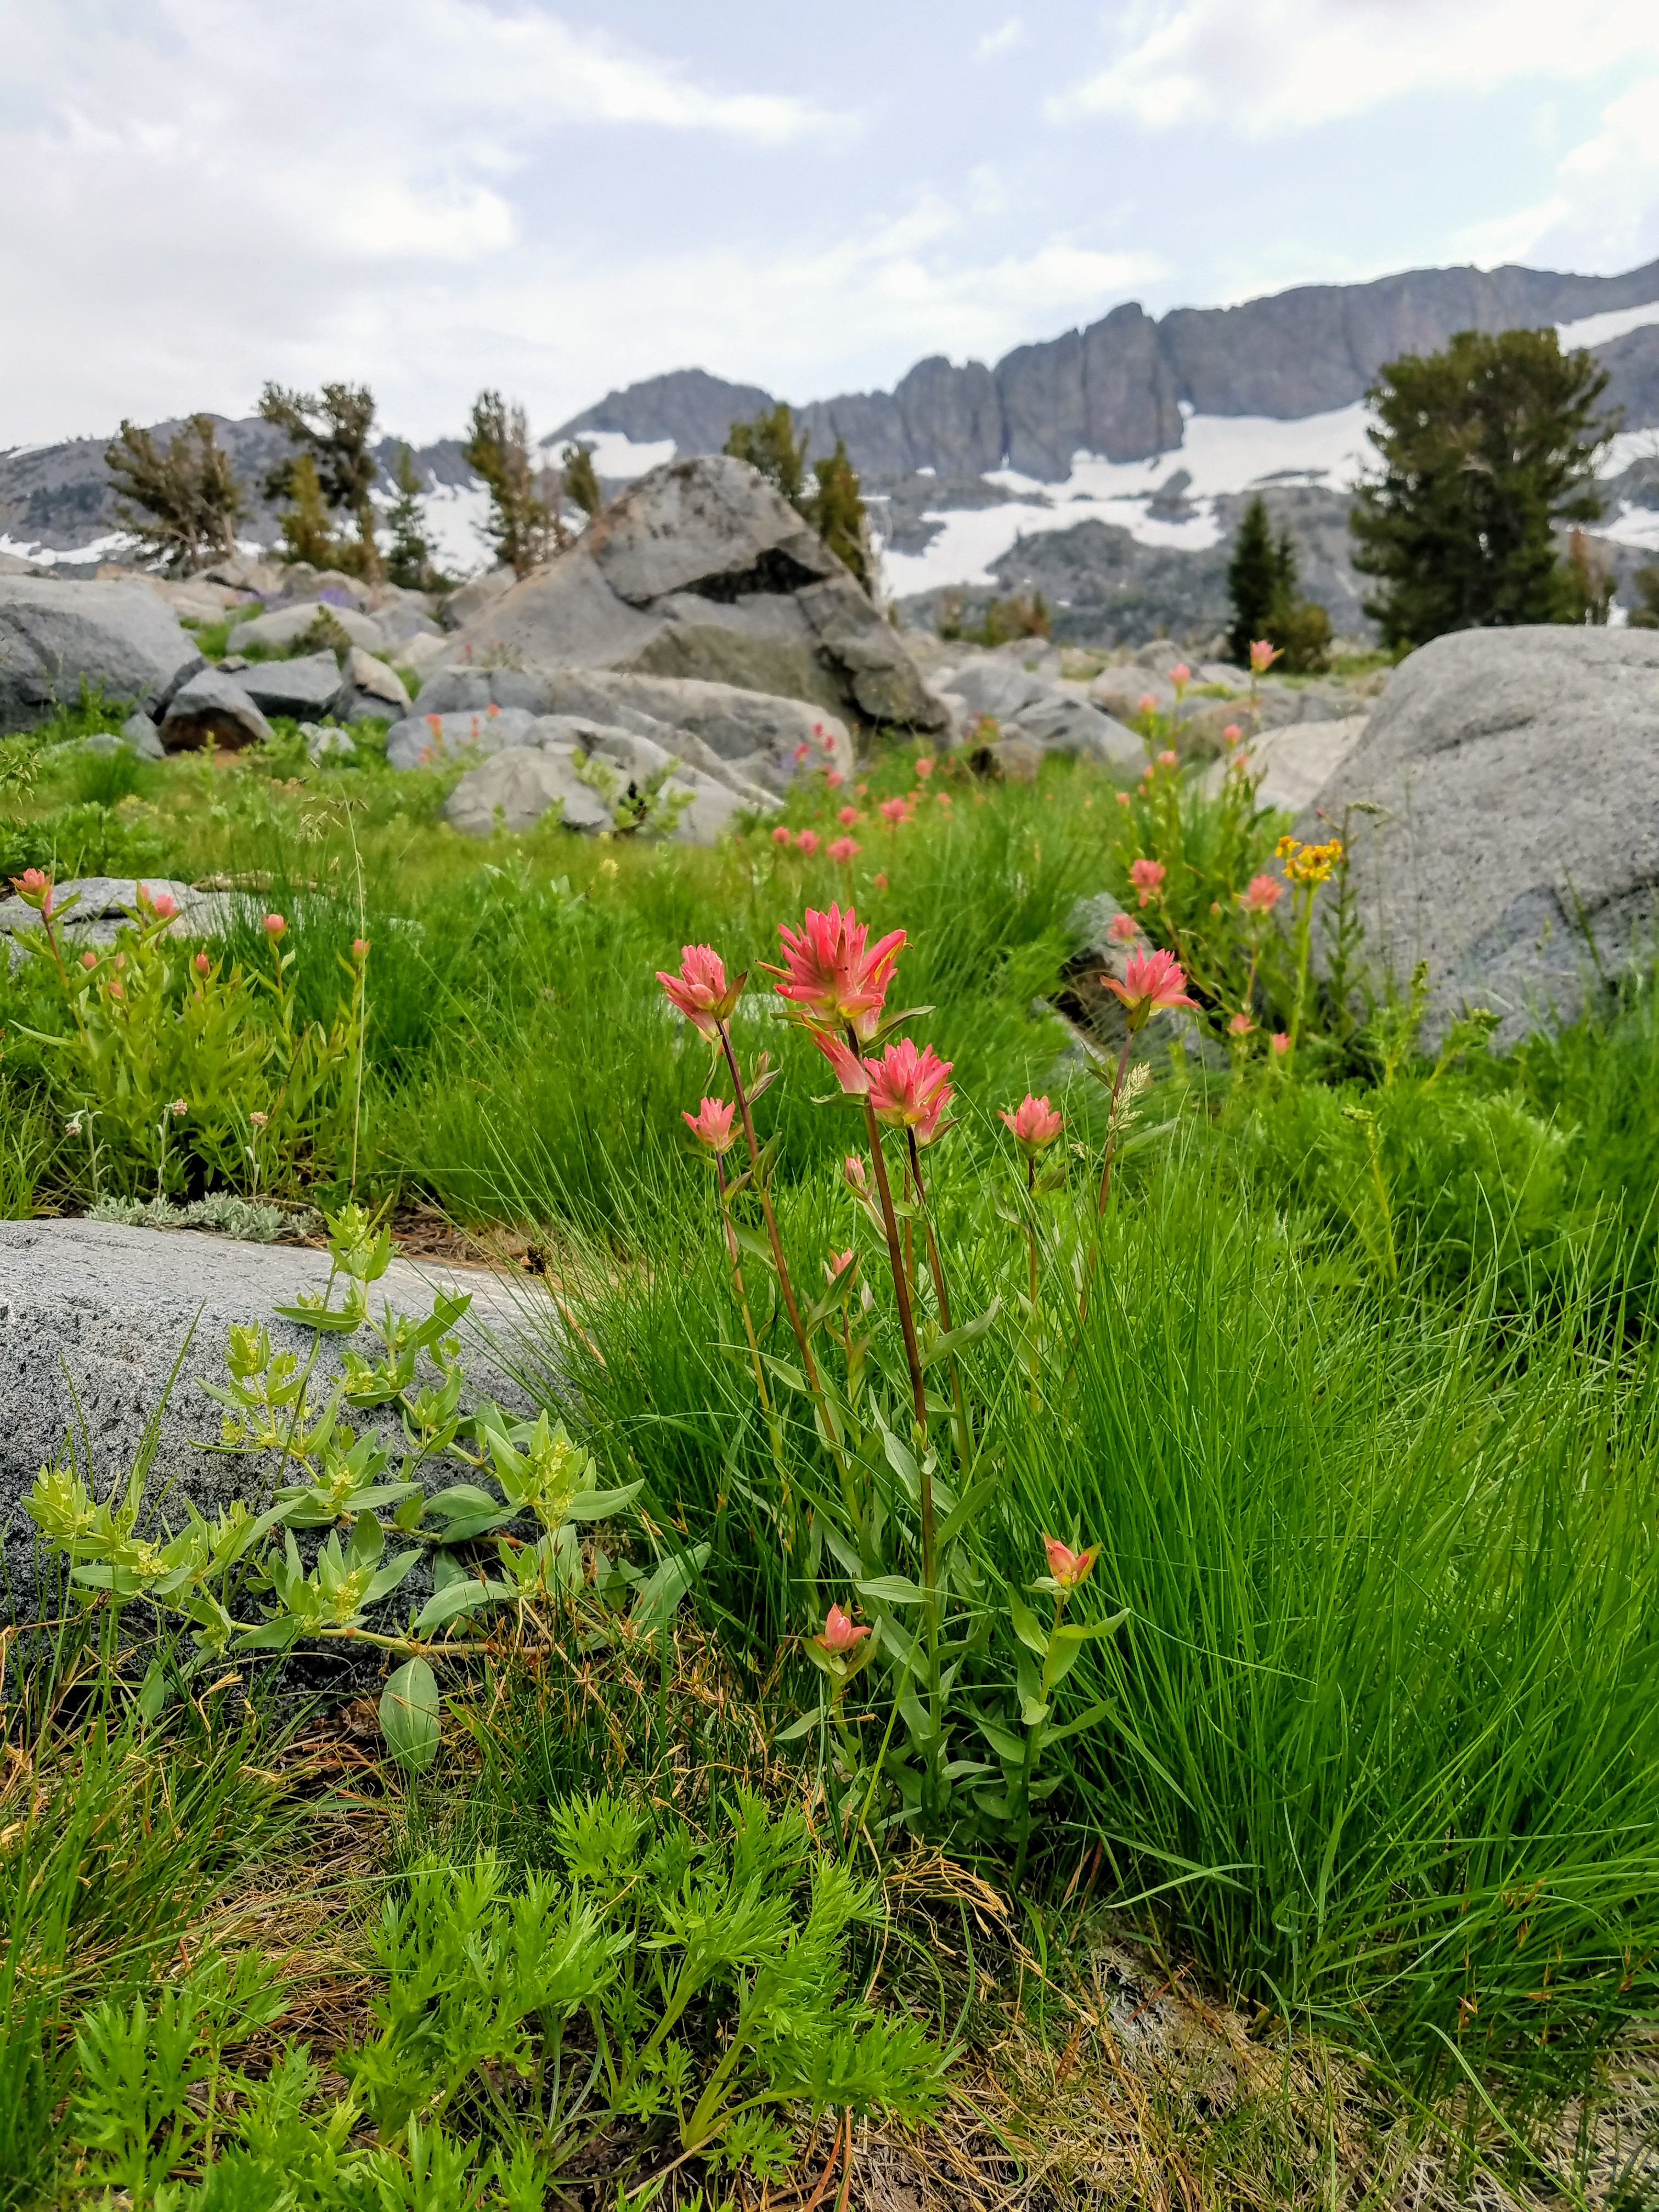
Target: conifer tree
[(1254, 580), (768, 443), (580, 479), (837, 512), (410, 561), (305, 524), (522, 526), (331, 431), (1486, 450), (182, 504)]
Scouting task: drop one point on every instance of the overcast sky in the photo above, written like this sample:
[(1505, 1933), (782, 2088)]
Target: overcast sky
[(432, 195)]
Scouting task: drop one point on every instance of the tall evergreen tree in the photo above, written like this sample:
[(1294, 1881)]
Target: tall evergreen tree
[(1486, 450), (769, 444), (580, 479), (182, 504), (522, 526), (410, 561), (1254, 581), (331, 431), (837, 512)]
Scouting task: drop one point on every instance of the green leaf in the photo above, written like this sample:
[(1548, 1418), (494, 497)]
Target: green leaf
[(889, 1589), (1028, 1629), (966, 1333), (800, 1727), (408, 1716), (600, 1504), (1091, 1718), (955, 1521), (1002, 1740), (458, 1597), (660, 1593)]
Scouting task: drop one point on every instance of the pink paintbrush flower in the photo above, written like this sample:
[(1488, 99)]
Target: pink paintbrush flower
[(837, 1264), (33, 887), (1122, 929), (1034, 1122), (1152, 983), (1280, 1042), (782, 837), (700, 990), (807, 843), (1231, 734), (1261, 895), (1168, 759), (857, 1181), (1263, 653), (1241, 1025), (842, 849), (834, 779), (924, 768), (847, 817), (275, 924), (1070, 1569), (851, 1073), (1148, 703), (895, 810), (713, 1125), (1147, 877), (832, 974), (910, 1089), (840, 1635)]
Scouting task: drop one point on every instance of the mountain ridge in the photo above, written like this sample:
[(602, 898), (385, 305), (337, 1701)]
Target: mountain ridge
[(1117, 386)]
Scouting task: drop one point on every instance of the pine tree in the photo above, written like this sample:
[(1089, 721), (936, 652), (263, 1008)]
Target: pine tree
[(837, 512), (1254, 581), (410, 561), (333, 432), (305, 525), (522, 526), (769, 445), (182, 504), (1486, 450), (580, 480)]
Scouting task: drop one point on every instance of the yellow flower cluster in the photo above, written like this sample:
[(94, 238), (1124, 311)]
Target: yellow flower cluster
[(1308, 864)]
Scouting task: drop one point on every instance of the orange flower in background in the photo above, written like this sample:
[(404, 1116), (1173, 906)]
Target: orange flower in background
[(1034, 1122), (1263, 653), (1147, 877)]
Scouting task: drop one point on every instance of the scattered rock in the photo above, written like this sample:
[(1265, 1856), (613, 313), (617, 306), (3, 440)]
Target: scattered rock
[(429, 740), (285, 626), (701, 569), (104, 906), (54, 637), (304, 688), (462, 606), (323, 744), (748, 740), (94, 1315), (1297, 761), (265, 579), (520, 785), (1517, 771), (1033, 718), (141, 734), (374, 680), (421, 654), (212, 709)]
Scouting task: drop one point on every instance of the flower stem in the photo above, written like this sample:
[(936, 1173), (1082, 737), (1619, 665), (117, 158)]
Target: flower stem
[(1105, 1171), (936, 1268), (765, 1197), (1031, 1239)]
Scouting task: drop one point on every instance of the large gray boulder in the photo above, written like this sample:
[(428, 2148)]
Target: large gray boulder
[(592, 771), (756, 737), (433, 739), (701, 569), (284, 626), (1032, 718), (1517, 772), (104, 906), (94, 1315), (519, 785), (309, 686), (56, 636), (212, 709)]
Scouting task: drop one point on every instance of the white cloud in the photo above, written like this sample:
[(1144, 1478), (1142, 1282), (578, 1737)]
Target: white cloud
[(1281, 66), (1002, 41), (1604, 211)]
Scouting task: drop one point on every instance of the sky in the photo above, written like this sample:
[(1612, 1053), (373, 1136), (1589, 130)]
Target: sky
[(554, 200)]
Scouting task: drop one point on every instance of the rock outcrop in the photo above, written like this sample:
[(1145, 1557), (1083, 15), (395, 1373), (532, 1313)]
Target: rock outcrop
[(54, 637), (1032, 718), (701, 569), (1517, 773), (93, 1316)]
